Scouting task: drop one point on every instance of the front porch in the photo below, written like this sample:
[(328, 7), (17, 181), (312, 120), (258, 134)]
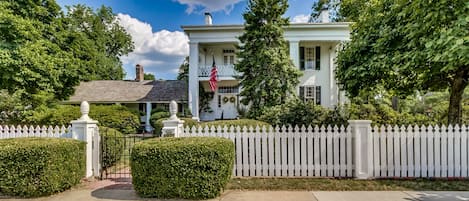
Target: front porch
[(222, 104)]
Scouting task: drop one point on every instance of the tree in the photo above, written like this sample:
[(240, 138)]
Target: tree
[(183, 73), (405, 46), (333, 6), (149, 76), (97, 39), (268, 74), (44, 53)]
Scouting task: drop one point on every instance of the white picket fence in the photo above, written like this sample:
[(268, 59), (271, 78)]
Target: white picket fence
[(410, 151), (413, 151), (11, 131), (286, 152)]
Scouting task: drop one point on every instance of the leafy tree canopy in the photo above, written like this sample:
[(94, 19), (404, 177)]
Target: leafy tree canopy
[(149, 76), (44, 53), (405, 46), (268, 74), (183, 73)]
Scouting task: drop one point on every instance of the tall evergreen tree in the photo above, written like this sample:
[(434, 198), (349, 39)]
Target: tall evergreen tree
[(268, 74)]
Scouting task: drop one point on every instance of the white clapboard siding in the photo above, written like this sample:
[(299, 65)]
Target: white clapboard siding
[(326, 151), (18, 131)]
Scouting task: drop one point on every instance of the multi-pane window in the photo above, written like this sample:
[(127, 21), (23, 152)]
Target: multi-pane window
[(231, 89), (310, 58), (228, 57), (311, 93)]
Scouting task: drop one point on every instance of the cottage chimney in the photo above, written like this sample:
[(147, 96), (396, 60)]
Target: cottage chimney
[(324, 16), (208, 19), (139, 73)]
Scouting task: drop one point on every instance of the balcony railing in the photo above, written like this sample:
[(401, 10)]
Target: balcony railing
[(223, 71)]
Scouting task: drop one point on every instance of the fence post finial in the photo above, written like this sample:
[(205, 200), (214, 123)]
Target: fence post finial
[(85, 110), (173, 126)]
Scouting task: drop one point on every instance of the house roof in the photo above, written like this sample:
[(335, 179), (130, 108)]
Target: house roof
[(110, 91)]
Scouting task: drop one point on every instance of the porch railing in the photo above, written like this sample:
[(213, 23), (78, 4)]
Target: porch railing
[(223, 71)]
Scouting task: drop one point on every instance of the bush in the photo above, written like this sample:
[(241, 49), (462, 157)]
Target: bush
[(239, 122), (31, 167), (113, 116), (158, 116), (295, 112), (189, 168), (159, 124), (113, 146)]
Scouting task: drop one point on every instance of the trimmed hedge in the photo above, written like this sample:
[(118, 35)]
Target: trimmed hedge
[(114, 116), (113, 146), (238, 122), (189, 168), (158, 125), (32, 167)]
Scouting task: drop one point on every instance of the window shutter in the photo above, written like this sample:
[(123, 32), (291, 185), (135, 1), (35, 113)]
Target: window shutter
[(318, 57), (302, 58), (318, 95), (302, 93)]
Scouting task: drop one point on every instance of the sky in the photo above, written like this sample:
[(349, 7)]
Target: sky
[(155, 27)]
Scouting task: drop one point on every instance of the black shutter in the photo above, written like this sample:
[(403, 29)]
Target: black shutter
[(302, 58), (302, 93), (318, 95), (318, 57)]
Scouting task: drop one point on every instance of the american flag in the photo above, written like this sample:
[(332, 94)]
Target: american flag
[(213, 76)]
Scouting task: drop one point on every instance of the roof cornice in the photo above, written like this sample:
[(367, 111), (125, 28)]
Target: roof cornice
[(240, 27)]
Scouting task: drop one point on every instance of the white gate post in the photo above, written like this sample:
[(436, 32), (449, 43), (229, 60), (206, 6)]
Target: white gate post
[(172, 126), (86, 129), (362, 148)]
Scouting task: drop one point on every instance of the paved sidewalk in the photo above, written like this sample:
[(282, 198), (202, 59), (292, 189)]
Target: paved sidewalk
[(122, 191)]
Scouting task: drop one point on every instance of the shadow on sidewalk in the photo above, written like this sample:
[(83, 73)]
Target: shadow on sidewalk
[(115, 189)]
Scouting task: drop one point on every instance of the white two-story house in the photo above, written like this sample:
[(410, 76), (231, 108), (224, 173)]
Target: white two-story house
[(312, 47)]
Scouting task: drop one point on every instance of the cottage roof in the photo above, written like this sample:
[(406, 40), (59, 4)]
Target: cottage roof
[(111, 91)]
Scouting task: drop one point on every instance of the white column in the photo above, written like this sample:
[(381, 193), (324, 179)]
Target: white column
[(173, 127), (148, 127), (194, 79), (334, 97), (85, 129), (362, 148), (295, 53)]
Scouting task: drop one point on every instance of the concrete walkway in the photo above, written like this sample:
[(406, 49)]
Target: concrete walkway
[(122, 191)]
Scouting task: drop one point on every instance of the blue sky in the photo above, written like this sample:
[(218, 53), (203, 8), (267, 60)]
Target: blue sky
[(155, 26)]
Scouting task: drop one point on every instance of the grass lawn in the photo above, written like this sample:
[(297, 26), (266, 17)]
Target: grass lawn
[(313, 184)]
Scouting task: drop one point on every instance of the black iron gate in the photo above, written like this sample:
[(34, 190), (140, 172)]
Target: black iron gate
[(115, 153)]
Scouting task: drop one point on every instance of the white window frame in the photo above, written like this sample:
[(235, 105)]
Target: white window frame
[(310, 58), (229, 57), (309, 93)]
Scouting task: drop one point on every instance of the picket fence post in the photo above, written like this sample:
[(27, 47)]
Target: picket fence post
[(86, 129), (362, 148)]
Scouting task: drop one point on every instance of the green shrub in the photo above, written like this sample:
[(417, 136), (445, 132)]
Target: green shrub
[(189, 168), (113, 146), (31, 167), (158, 116), (239, 122), (112, 116), (295, 112), (158, 125)]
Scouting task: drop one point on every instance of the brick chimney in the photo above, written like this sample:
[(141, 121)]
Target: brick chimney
[(139, 73)]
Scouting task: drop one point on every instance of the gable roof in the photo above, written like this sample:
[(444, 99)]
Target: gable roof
[(130, 91)]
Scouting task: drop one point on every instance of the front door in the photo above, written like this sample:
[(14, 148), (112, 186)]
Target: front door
[(228, 107)]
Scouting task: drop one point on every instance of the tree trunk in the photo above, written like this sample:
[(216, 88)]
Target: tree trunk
[(458, 85)]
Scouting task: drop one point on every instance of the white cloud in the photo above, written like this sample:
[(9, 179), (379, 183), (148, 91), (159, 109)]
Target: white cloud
[(159, 52), (209, 5), (300, 19)]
